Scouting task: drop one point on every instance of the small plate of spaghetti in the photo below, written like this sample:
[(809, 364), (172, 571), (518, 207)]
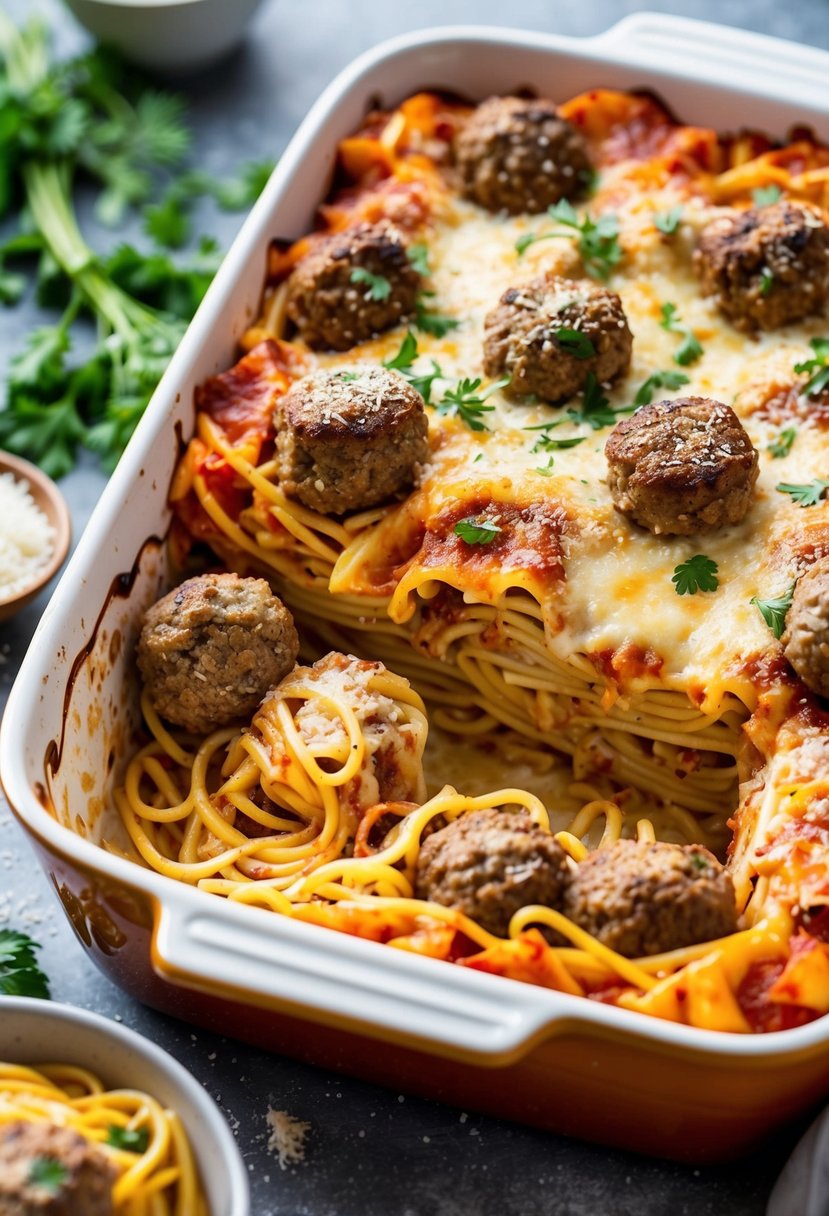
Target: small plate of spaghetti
[(95, 1119)]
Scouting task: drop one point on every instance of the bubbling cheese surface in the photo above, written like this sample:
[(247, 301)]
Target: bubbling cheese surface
[(617, 589)]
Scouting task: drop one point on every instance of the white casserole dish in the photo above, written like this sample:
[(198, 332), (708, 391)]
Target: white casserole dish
[(558, 1061)]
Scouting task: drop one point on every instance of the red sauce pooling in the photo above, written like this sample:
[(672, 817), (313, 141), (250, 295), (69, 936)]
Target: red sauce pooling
[(762, 1014)]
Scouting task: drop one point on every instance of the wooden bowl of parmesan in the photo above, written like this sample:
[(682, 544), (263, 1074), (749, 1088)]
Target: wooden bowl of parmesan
[(35, 530)]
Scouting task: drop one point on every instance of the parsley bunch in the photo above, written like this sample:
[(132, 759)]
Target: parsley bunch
[(88, 117), (20, 974)]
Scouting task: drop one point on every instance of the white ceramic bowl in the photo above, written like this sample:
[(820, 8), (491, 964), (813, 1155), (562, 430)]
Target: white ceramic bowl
[(167, 35), (37, 1032)]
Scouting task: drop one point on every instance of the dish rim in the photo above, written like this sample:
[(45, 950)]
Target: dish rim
[(637, 42)]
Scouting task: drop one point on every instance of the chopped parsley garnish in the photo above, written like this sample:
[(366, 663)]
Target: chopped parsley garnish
[(419, 258), (766, 281), (402, 362), (818, 367), (546, 470), (596, 411), (423, 383), (348, 377), (773, 611), (436, 324), (598, 240), (128, 1139), (689, 349), (808, 494), (405, 357), (657, 380), (467, 403), (698, 573), (19, 972), (782, 445), (575, 343), (47, 1172), (545, 441), (379, 287), (668, 221), (476, 531), (699, 862), (764, 196)]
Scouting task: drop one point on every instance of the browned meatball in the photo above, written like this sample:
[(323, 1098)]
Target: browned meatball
[(211, 648), (806, 636), (489, 864), (551, 333), (768, 266), (681, 466), (516, 154), (641, 899), (352, 286), (349, 440), (78, 1178)]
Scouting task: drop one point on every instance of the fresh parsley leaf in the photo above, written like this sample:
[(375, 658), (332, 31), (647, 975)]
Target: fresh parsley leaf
[(467, 403), (241, 192), (379, 287), (423, 383), (12, 285), (808, 494), (128, 1139), (598, 240), (818, 366), (348, 376), (575, 343), (782, 445), (406, 356), (546, 470), (690, 349), (765, 196), (20, 974), (668, 221), (546, 442), (476, 531), (168, 224), (404, 359), (596, 411), (656, 381), (773, 611), (47, 1172), (436, 324), (698, 573), (419, 258), (766, 281)]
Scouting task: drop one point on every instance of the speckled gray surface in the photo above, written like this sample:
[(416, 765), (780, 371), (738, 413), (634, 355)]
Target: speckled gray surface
[(370, 1152)]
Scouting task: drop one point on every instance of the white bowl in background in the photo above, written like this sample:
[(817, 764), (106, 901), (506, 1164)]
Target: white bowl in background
[(36, 1032), (167, 35)]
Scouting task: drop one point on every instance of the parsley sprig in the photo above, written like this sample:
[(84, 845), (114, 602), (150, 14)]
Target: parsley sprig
[(656, 381), (782, 445), (128, 1139), (378, 286), (548, 443), (596, 411), (403, 362), (430, 321), (597, 240), (476, 531), (47, 1172), (668, 221), (698, 573), (690, 348), (765, 196), (806, 494), (574, 342), (773, 611), (817, 367), (20, 974), (468, 403)]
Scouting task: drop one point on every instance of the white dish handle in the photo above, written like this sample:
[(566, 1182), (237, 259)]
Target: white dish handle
[(685, 47), (426, 1004)]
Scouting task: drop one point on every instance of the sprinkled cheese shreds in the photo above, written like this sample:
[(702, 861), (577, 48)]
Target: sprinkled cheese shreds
[(287, 1138), (27, 539)]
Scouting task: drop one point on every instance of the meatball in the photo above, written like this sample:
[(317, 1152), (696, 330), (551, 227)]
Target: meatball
[(767, 266), (516, 154), (488, 864), (349, 440), (641, 899), (681, 466), (806, 636), (550, 334), (211, 648), (79, 1179), (352, 286)]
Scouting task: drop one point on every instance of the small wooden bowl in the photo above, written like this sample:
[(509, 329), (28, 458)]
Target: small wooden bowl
[(49, 499)]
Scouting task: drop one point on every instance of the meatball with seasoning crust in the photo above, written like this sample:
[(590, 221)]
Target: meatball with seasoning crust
[(806, 636), (516, 154), (642, 898), (682, 466), (551, 333), (211, 648), (351, 286), (768, 266), (350, 440), (75, 1178), (490, 863)]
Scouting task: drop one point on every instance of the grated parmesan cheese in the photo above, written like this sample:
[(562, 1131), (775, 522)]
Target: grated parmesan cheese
[(27, 538), (287, 1138)]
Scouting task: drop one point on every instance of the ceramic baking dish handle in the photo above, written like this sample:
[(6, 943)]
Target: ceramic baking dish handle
[(678, 46), (240, 957)]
